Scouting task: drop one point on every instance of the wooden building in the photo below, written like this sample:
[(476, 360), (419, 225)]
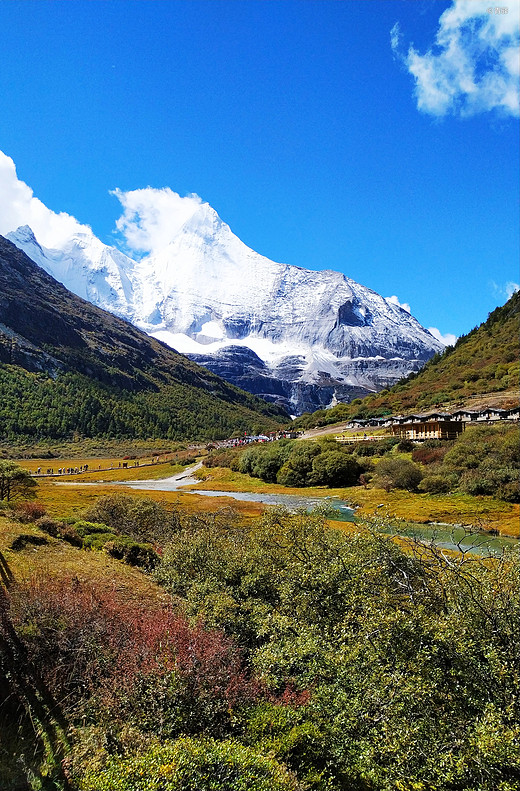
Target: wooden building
[(466, 415), (421, 428), (490, 414)]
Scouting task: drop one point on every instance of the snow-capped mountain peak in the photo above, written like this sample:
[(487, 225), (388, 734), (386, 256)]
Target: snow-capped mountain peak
[(291, 331), (87, 267)]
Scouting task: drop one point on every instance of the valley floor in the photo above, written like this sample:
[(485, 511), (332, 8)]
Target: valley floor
[(484, 513)]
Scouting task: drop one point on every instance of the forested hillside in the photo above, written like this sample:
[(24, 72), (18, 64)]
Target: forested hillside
[(486, 360), (66, 366)]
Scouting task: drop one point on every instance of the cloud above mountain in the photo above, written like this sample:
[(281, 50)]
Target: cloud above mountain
[(150, 220), (505, 290), (152, 217), (18, 206), (395, 301), (448, 339), (473, 65)]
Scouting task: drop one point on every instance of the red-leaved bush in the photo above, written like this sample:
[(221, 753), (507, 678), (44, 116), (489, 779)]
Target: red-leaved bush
[(29, 511), (94, 648), (426, 455)]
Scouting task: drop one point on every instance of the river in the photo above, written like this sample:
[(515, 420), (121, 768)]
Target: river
[(443, 535)]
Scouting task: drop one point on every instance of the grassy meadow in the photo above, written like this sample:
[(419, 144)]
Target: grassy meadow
[(68, 495)]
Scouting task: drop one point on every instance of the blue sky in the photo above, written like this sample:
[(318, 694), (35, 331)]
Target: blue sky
[(319, 143)]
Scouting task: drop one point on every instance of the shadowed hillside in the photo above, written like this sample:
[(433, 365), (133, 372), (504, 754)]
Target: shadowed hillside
[(67, 366)]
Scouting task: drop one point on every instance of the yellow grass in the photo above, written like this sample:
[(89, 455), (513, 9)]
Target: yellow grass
[(60, 559), (483, 512), (72, 500), (33, 464), (105, 468)]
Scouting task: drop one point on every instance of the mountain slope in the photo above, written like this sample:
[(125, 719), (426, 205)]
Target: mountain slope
[(66, 365), (321, 335), (483, 362)]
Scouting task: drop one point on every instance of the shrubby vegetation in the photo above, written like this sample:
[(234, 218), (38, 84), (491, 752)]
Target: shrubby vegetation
[(128, 528), (482, 460), (141, 518), (397, 474), (291, 656), (290, 463)]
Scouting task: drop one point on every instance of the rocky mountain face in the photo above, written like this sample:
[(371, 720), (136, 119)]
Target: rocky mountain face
[(296, 337)]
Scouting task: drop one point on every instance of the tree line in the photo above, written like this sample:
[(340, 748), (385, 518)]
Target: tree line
[(34, 405)]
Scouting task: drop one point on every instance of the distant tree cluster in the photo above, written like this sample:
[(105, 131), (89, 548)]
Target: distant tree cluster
[(37, 406), (301, 463), (482, 460)]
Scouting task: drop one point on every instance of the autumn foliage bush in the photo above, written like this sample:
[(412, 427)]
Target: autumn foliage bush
[(98, 651), (425, 454), (29, 511), (223, 457)]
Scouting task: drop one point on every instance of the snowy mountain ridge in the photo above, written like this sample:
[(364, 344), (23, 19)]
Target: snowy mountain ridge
[(297, 336)]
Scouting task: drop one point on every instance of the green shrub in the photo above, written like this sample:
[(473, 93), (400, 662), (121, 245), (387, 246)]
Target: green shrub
[(509, 491), (335, 468), (397, 474), (288, 476), (84, 528), (98, 540), (297, 470), (484, 460), (142, 518), (435, 484), (192, 765), (133, 553), (376, 448), (265, 461)]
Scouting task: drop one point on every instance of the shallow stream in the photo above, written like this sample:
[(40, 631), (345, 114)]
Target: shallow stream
[(443, 535)]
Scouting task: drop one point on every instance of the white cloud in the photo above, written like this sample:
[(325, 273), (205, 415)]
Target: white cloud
[(511, 288), (18, 206), (152, 217), (395, 38), (507, 290), (403, 305), (448, 339), (473, 66)]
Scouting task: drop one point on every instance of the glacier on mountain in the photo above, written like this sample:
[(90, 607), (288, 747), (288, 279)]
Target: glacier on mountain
[(295, 336)]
